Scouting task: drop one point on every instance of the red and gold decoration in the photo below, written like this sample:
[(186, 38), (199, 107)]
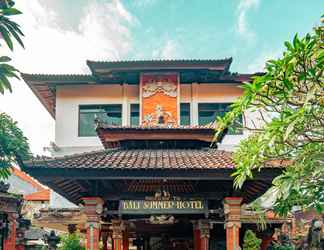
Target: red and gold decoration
[(159, 96)]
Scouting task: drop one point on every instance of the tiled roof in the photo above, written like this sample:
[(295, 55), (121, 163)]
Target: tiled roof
[(43, 86), (43, 195), (208, 126), (112, 136), (170, 64), (58, 78), (141, 159), (25, 177)]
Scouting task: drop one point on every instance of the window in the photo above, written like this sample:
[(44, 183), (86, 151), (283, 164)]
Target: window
[(134, 115), (207, 113), (184, 114), (110, 114)]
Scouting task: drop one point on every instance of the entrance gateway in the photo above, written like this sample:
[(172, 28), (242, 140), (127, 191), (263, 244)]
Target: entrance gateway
[(159, 184)]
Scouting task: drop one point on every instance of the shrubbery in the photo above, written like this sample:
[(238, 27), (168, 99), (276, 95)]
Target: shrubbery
[(71, 242), (251, 242)]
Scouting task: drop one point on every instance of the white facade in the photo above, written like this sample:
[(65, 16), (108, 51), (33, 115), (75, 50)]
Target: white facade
[(69, 98)]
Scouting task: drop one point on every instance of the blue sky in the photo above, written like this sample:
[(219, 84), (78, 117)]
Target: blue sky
[(249, 31), (211, 29), (61, 35)]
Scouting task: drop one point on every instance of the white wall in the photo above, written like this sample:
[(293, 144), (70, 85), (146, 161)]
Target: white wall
[(70, 97)]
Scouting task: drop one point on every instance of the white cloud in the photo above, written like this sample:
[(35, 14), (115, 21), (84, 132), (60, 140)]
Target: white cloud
[(169, 50), (102, 33), (242, 24)]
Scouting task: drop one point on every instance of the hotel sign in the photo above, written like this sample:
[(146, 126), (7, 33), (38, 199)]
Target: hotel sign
[(196, 206)]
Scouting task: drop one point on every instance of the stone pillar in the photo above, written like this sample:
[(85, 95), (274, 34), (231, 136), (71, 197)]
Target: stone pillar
[(196, 235), (267, 238), (194, 104), (146, 243), (10, 241), (125, 108), (125, 235), (117, 234), (93, 210), (232, 210), (104, 238), (204, 230)]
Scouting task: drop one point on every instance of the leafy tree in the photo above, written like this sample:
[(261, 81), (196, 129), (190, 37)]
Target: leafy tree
[(9, 31), (250, 241), (13, 145), (71, 242), (289, 100)]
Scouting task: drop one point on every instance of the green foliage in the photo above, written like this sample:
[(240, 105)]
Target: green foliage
[(9, 31), (13, 145), (71, 242), (250, 241), (282, 247), (289, 100)]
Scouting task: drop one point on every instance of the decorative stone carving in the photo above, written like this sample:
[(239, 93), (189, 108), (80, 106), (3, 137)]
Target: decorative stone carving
[(232, 212), (159, 96), (204, 227), (165, 86), (162, 219), (93, 208), (159, 118), (117, 228)]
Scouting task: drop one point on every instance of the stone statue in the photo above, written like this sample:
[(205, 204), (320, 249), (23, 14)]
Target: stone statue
[(314, 235), (52, 240)]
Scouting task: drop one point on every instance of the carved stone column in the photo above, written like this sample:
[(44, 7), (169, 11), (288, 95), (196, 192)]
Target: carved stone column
[(204, 229), (93, 210), (232, 210), (117, 228)]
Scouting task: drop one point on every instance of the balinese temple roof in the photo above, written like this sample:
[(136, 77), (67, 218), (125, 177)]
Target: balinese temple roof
[(110, 66), (72, 175), (174, 159), (119, 72), (113, 136)]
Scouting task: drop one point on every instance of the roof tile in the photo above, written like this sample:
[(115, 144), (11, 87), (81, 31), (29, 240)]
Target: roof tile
[(43, 195), (142, 159)]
